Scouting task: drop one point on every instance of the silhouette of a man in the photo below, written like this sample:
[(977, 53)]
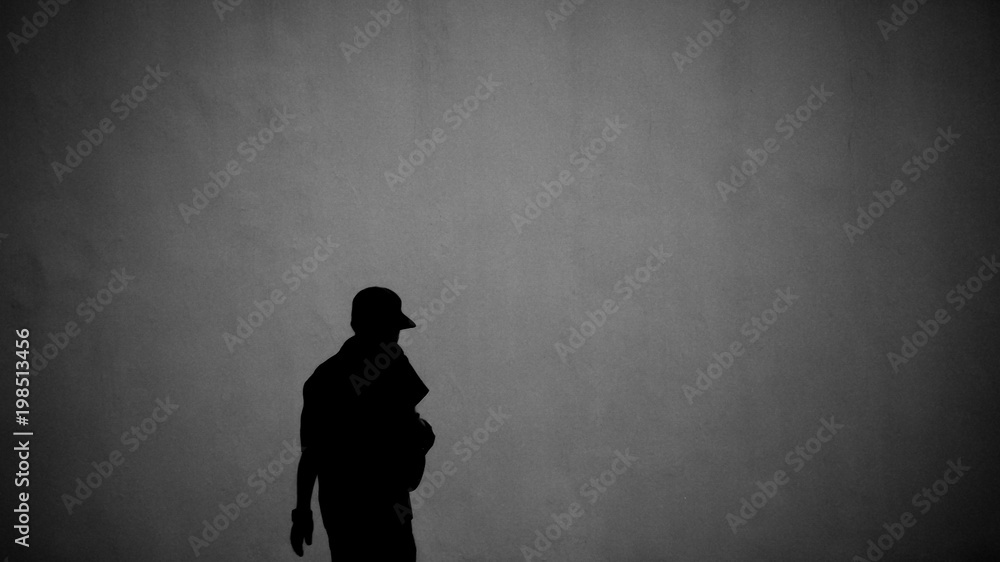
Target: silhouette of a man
[(362, 437)]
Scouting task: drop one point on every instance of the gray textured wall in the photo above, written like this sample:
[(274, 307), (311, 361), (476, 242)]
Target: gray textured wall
[(633, 383)]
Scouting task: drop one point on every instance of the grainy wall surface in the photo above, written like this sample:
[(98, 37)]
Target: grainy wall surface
[(717, 239)]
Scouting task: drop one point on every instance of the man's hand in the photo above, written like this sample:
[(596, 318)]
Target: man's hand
[(302, 528)]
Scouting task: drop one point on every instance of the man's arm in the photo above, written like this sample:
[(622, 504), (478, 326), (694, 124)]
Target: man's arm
[(308, 461), (302, 522), (308, 470)]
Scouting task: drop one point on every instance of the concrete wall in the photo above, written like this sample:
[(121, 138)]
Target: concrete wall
[(632, 386)]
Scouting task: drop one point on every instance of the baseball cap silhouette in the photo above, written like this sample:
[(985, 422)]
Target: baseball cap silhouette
[(378, 308)]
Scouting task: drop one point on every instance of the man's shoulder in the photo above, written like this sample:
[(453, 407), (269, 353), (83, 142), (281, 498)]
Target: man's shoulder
[(329, 370)]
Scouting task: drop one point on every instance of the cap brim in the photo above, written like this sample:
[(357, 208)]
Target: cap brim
[(405, 323)]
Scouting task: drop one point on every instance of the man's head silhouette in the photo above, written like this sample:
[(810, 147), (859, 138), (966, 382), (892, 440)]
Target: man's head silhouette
[(376, 312)]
